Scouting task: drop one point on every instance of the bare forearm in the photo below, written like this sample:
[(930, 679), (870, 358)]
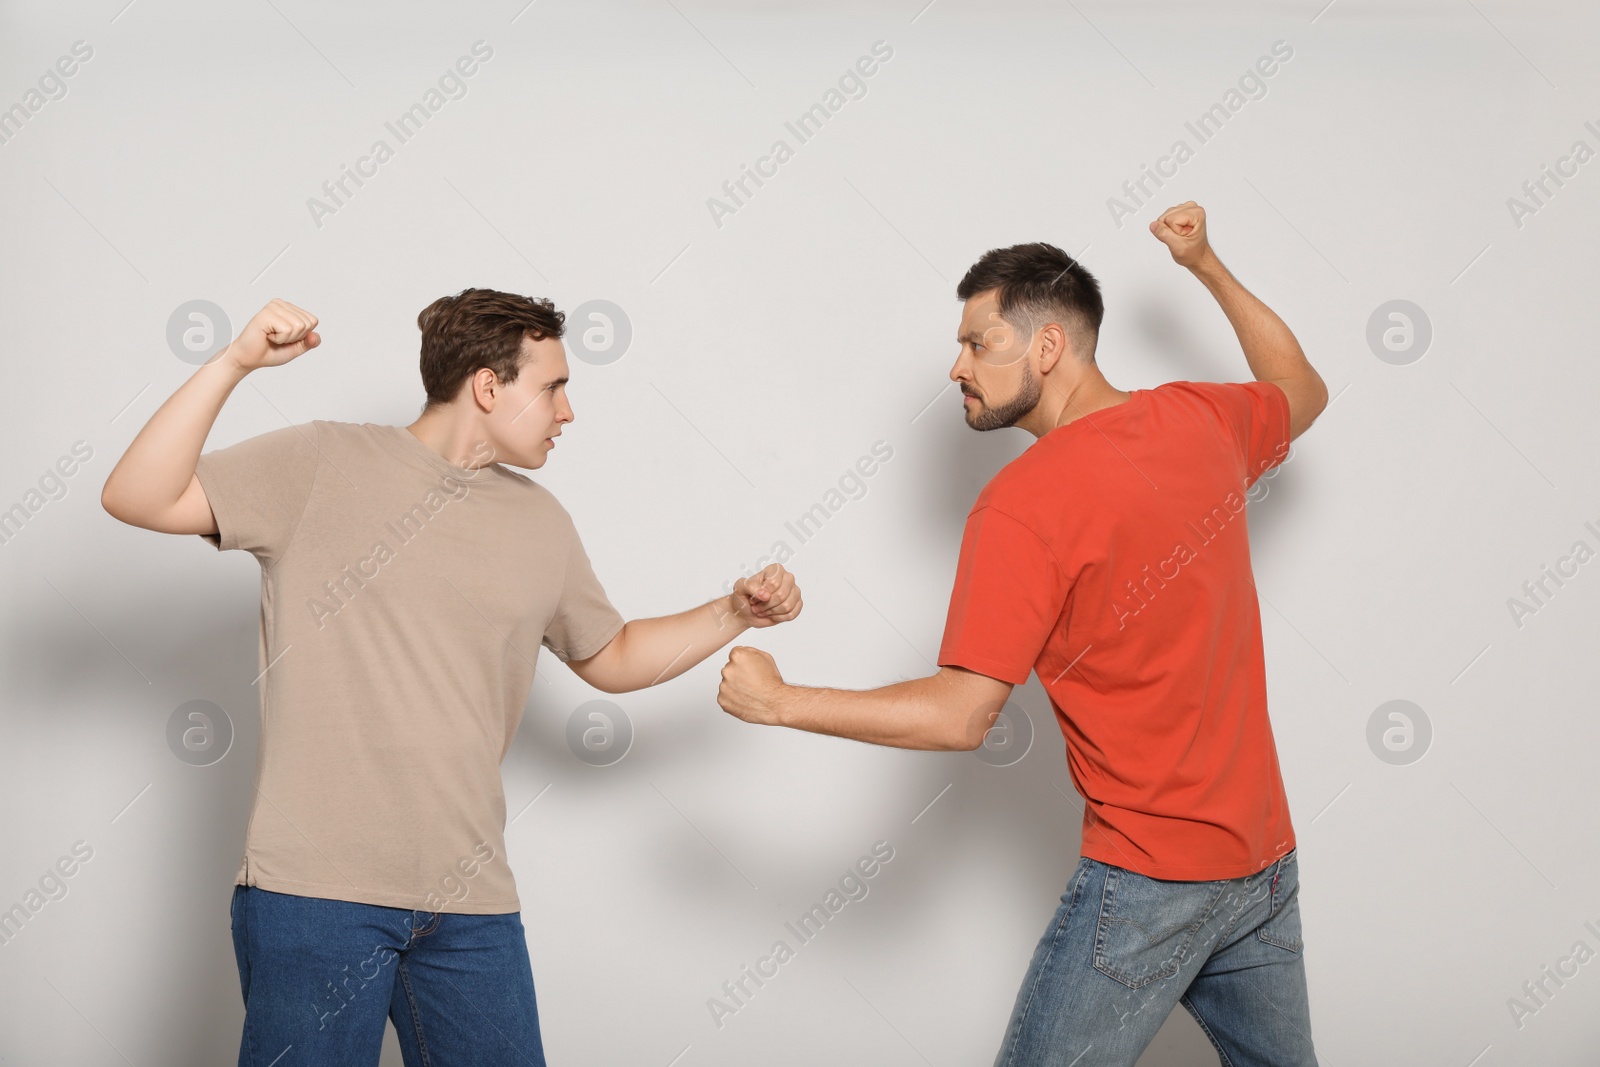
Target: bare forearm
[(658, 649), (1269, 345), (909, 714), (159, 464)]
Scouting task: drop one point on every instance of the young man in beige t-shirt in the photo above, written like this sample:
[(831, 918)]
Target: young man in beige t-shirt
[(408, 579)]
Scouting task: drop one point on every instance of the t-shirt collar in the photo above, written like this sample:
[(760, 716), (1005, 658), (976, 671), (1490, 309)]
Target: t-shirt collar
[(1134, 396)]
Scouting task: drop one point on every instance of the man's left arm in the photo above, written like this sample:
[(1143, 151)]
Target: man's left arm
[(1269, 345), (647, 652)]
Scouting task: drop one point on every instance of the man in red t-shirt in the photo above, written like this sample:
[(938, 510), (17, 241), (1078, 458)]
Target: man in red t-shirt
[(1112, 558)]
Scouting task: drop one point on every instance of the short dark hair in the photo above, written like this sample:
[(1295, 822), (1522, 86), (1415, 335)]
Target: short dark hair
[(479, 328), (1040, 283)]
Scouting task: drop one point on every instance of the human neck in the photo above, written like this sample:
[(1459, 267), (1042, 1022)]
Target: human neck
[(1062, 403), (447, 433)]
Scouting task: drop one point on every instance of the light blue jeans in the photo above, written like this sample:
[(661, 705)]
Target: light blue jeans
[(1124, 948), (319, 978)]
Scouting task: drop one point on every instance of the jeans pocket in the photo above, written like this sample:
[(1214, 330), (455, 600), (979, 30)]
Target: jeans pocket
[(1147, 926), (1282, 925)]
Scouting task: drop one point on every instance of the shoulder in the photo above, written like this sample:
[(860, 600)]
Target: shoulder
[(330, 432), (1029, 490), (1174, 404), (539, 499), (295, 443), (1185, 393), (333, 429), (1230, 394), (1012, 484)]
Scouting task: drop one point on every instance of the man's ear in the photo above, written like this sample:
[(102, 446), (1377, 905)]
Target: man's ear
[(1053, 346), (484, 384)]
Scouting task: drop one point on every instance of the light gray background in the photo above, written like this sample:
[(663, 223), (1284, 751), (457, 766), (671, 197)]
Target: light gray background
[(767, 355)]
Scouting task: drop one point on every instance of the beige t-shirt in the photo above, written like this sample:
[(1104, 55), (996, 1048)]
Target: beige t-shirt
[(403, 603)]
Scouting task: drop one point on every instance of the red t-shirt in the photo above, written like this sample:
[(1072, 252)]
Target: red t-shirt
[(1112, 557)]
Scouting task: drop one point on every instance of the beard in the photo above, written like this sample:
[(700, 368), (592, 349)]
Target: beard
[(1000, 416)]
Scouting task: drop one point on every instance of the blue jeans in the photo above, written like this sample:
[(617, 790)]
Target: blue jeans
[(1124, 948), (320, 977)]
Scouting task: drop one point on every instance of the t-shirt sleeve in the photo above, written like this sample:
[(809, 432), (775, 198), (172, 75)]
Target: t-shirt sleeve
[(1257, 413), (258, 488), (585, 620), (1008, 595)]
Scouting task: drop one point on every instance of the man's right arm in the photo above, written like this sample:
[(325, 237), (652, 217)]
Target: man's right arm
[(154, 485)]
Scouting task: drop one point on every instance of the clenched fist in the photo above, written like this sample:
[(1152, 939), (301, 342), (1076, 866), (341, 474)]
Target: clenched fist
[(766, 598), (1183, 230), (750, 686), (278, 333)]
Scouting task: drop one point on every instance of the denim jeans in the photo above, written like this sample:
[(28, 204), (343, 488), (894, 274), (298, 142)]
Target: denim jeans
[(319, 978), (1124, 948)]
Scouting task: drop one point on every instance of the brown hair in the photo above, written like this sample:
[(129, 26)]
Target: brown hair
[(1040, 283), (479, 328)]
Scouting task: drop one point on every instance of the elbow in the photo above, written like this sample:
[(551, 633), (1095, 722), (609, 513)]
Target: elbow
[(1307, 395), (968, 734), (971, 705), (1319, 402), (1322, 395), (601, 675), (123, 512), (112, 503), (595, 679)]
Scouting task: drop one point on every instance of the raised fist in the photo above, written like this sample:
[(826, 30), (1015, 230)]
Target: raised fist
[(1183, 230), (750, 684), (278, 333), (766, 598)]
